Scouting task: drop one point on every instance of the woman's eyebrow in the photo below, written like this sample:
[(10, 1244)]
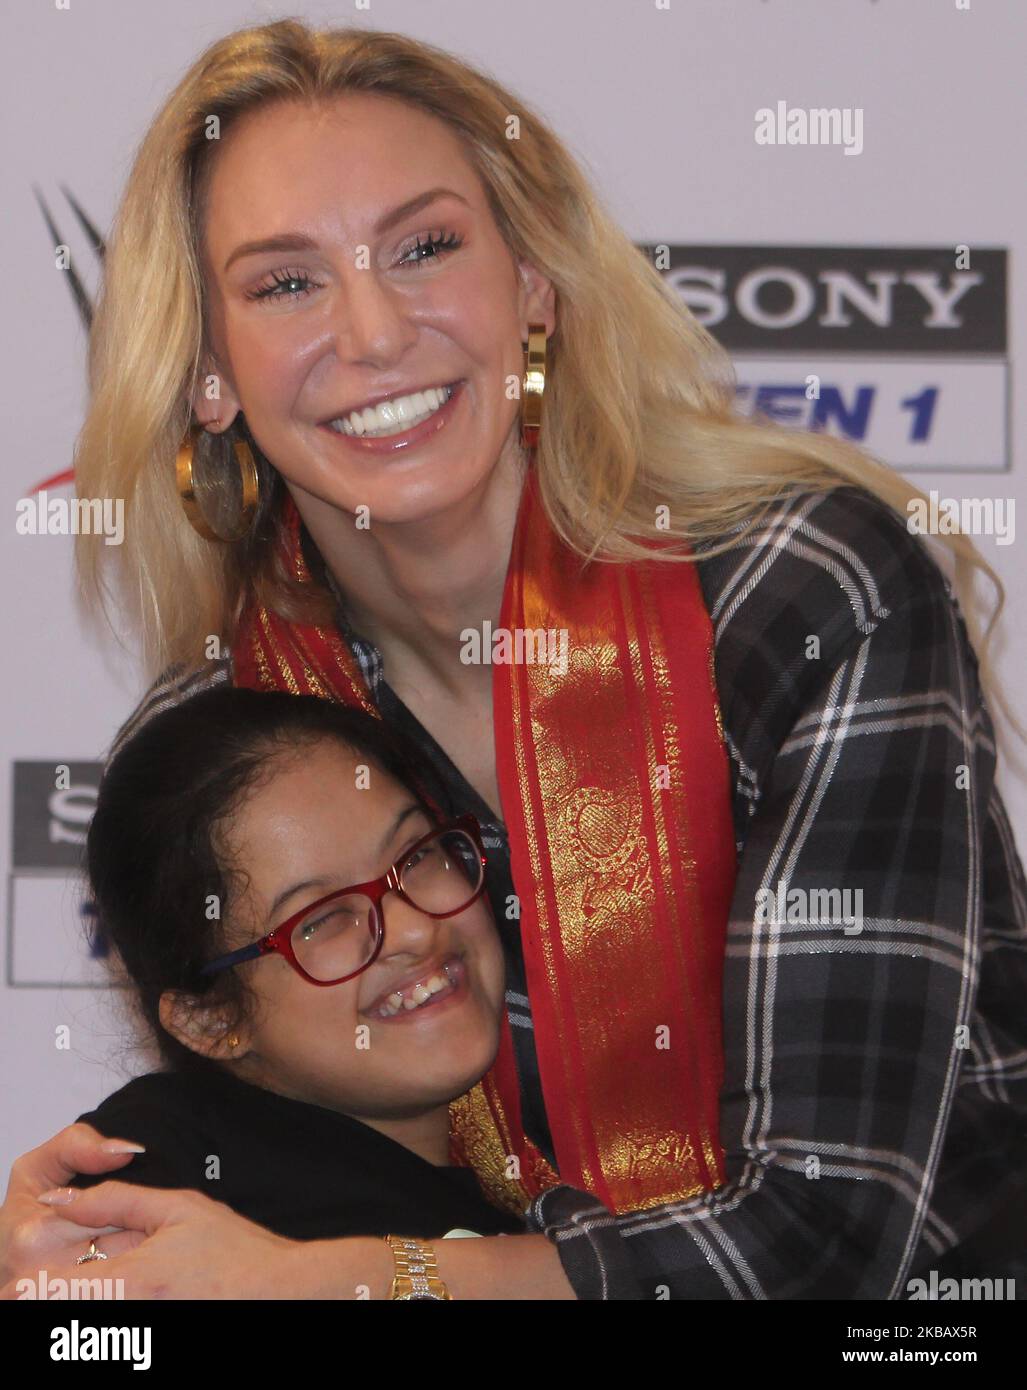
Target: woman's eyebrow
[(297, 241), (412, 809)]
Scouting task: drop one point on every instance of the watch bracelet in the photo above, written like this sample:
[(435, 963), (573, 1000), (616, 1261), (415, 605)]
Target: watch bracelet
[(416, 1275)]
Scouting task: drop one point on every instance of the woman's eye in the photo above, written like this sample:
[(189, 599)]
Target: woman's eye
[(337, 918), (284, 285), (414, 854), (431, 248), (290, 284)]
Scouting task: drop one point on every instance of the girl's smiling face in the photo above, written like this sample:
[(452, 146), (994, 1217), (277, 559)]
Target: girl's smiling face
[(303, 831)]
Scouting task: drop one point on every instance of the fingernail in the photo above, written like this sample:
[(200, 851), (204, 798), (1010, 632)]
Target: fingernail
[(121, 1146), (58, 1196)]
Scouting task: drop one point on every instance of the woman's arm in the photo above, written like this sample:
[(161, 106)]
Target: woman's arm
[(195, 1248)]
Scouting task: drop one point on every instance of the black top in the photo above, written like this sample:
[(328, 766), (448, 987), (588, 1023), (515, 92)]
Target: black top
[(298, 1169)]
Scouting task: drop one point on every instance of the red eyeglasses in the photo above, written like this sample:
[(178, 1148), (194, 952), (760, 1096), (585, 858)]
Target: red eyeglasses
[(340, 935)]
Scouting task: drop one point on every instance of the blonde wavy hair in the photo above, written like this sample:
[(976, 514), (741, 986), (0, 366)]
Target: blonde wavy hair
[(639, 404)]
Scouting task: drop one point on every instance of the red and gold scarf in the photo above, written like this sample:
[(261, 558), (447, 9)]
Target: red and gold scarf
[(614, 784)]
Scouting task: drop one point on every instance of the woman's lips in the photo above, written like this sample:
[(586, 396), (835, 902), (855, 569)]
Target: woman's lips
[(392, 443), (455, 992)]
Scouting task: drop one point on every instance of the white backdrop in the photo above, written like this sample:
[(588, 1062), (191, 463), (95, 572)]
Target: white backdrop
[(659, 102)]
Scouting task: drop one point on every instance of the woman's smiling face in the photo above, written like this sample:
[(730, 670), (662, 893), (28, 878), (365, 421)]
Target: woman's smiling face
[(305, 831), (388, 276)]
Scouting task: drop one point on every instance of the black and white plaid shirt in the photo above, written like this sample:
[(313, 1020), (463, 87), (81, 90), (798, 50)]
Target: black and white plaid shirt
[(874, 1105)]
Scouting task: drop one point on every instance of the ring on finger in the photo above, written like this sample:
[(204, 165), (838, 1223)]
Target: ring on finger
[(91, 1254)]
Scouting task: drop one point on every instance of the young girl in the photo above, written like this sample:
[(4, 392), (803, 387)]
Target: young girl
[(312, 1032)]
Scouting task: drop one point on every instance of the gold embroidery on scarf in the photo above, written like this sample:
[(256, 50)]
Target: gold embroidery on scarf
[(648, 1151), (487, 1147), (530, 727), (602, 881), (471, 1118), (317, 683), (709, 1143), (657, 708), (526, 781), (604, 832), (267, 680), (591, 824), (288, 679)]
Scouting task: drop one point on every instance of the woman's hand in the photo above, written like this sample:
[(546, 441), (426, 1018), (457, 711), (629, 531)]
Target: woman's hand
[(194, 1248), (31, 1234)]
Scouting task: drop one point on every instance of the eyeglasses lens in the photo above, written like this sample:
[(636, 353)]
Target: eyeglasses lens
[(443, 874), (336, 939)]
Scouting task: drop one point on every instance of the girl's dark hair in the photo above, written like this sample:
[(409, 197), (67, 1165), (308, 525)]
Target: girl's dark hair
[(154, 852)]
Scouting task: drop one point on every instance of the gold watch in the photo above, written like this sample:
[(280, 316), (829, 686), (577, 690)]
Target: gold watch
[(417, 1272)]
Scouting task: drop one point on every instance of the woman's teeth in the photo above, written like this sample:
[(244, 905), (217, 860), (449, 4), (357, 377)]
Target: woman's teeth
[(413, 998), (395, 415)]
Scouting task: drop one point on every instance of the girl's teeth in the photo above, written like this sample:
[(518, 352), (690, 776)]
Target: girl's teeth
[(395, 416), (418, 995)]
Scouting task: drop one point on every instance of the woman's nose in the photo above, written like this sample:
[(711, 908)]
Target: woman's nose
[(372, 321), (406, 928)]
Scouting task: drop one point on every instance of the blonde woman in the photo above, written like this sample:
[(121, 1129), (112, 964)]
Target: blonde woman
[(716, 708)]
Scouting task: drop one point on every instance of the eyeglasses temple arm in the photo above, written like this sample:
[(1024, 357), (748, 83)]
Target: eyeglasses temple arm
[(250, 952)]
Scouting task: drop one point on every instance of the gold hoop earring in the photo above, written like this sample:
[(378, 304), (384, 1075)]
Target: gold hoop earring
[(187, 488), (534, 385)]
